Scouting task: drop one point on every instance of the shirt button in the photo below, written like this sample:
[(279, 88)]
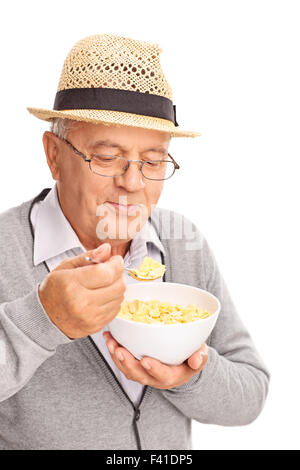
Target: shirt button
[(137, 415)]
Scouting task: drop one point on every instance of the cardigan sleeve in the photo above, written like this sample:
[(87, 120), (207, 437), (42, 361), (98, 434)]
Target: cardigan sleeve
[(27, 339), (232, 387)]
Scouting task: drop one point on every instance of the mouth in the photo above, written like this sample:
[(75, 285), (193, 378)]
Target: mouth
[(129, 209)]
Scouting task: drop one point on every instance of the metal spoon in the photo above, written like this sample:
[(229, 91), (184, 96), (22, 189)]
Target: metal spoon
[(130, 271)]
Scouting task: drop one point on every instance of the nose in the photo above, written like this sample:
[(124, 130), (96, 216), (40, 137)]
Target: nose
[(132, 180)]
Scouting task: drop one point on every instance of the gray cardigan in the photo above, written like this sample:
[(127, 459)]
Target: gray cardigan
[(57, 393)]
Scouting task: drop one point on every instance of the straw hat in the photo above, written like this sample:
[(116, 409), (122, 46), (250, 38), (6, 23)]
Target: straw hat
[(115, 80)]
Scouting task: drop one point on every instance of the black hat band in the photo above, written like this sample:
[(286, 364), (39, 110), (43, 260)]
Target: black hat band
[(113, 99)]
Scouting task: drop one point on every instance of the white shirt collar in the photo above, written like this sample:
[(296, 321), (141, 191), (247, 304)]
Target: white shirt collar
[(54, 234)]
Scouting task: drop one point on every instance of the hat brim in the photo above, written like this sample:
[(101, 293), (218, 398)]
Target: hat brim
[(114, 118)]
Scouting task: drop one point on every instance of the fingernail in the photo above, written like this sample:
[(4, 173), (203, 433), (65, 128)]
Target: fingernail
[(111, 348), (204, 353), (200, 360), (120, 356), (122, 260), (99, 249), (105, 335), (146, 365)]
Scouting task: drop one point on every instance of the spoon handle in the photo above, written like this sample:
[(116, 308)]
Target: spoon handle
[(87, 258)]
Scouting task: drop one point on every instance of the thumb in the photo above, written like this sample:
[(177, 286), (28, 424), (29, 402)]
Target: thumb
[(102, 253), (199, 358)]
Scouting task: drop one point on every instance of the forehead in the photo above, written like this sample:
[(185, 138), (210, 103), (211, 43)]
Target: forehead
[(93, 135)]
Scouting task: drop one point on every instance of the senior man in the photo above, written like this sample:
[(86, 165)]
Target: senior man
[(65, 383)]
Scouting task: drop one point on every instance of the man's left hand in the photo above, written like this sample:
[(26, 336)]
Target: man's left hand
[(149, 371)]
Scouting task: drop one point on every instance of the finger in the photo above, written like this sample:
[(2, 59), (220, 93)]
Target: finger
[(108, 336), (159, 375), (95, 276), (164, 375), (102, 253), (111, 343), (95, 319), (198, 360), (102, 295), (126, 362), (131, 367)]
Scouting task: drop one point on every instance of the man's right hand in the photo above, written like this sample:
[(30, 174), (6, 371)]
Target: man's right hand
[(80, 298)]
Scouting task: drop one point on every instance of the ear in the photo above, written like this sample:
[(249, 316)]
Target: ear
[(51, 150)]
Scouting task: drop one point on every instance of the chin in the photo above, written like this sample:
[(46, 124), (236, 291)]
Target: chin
[(118, 228)]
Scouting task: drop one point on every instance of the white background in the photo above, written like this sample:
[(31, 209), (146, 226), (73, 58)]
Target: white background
[(234, 70)]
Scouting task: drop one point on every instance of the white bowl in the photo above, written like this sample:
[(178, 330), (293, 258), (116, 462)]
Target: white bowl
[(170, 344)]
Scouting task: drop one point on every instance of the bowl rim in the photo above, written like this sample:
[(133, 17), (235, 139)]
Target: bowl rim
[(157, 325)]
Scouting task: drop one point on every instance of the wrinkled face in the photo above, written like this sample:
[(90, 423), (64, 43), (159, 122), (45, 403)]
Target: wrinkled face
[(91, 202)]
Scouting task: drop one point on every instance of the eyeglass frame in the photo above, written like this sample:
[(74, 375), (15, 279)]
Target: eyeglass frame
[(88, 160)]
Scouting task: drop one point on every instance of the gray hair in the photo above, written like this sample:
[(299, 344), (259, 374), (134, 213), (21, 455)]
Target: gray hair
[(61, 126)]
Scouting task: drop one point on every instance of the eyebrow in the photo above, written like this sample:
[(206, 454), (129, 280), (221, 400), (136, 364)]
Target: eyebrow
[(109, 143)]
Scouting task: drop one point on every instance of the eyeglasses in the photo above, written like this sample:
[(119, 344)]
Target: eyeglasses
[(114, 166)]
